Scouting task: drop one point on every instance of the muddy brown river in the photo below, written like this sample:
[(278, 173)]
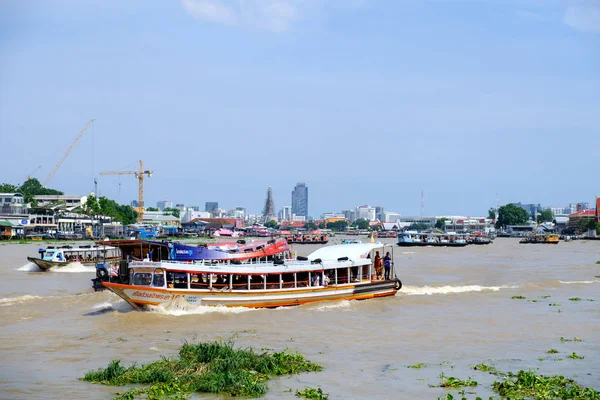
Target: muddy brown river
[(455, 310)]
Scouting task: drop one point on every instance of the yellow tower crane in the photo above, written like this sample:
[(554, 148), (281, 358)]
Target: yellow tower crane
[(140, 176), (79, 135)]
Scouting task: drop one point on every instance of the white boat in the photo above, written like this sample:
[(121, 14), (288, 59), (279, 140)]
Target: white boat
[(64, 255), (340, 272)]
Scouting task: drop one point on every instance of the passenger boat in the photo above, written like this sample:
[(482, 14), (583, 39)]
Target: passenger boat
[(339, 272), (64, 255), (414, 238), (300, 238), (233, 252), (541, 238)]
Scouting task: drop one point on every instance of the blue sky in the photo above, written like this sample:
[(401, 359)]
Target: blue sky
[(368, 102)]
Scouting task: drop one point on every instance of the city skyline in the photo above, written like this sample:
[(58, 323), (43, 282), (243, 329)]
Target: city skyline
[(368, 102)]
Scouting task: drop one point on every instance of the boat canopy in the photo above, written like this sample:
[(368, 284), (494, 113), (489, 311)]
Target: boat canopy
[(354, 251)]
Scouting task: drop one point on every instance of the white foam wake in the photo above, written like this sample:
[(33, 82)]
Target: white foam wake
[(9, 301), (181, 307), (29, 267), (430, 290), (578, 282), (75, 267), (333, 306)]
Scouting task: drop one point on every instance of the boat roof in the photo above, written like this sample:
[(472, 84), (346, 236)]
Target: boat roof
[(354, 251), (83, 249)]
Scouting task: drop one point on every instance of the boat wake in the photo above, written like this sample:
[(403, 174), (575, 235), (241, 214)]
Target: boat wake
[(579, 282), (332, 306), (29, 267), (11, 301), (107, 306), (182, 307), (430, 290), (75, 267)]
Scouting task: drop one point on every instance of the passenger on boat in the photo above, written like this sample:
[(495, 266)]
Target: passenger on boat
[(378, 265), (387, 263), (316, 279), (326, 280)]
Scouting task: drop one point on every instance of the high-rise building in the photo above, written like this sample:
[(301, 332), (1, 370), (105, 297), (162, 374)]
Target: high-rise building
[(350, 215), (161, 205), (285, 214), (379, 213), (134, 203), (300, 200), (212, 207), (269, 209)]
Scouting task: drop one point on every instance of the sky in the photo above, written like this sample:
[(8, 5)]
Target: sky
[(471, 103)]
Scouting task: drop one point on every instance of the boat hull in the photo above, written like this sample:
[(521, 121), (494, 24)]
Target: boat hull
[(309, 242), (46, 265), (425, 244), (141, 296)]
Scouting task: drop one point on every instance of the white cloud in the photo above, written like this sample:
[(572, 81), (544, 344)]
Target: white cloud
[(272, 15), (583, 15)]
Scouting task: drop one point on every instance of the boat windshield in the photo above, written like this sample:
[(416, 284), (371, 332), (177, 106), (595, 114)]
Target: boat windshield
[(142, 278)]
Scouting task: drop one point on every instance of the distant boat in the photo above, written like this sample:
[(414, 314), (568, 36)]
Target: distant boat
[(304, 238), (225, 232), (65, 255), (415, 238), (541, 238)]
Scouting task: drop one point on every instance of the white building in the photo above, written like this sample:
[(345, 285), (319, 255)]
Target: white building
[(69, 201), (191, 214), (389, 216), (366, 212), (11, 204), (161, 205)]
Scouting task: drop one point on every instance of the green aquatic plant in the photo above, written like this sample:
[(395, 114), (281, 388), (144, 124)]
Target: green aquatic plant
[(575, 339), (554, 305), (529, 385), (416, 366), (597, 276), (454, 383), (533, 301), (552, 351), (518, 297), (545, 297), (575, 299), (486, 368), (598, 262), (311, 393), (214, 367), (575, 356)]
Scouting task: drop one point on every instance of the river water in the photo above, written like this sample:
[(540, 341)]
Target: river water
[(455, 310)]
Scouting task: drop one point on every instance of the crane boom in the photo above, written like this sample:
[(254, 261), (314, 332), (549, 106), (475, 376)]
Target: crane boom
[(140, 176), (79, 135)]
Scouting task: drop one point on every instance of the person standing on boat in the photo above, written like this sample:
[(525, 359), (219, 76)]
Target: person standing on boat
[(387, 263), (378, 265)]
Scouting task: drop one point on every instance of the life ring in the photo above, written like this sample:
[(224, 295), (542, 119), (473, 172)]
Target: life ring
[(398, 284), (102, 273)]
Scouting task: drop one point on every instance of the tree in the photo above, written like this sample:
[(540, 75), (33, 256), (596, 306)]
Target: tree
[(272, 224), (511, 214), (172, 211), (361, 223), (338, 226), (9, 188), (91, 206), (545, 216), (152, 209), (441, 223), (310, 226), (492, 213), (418, 226), (32, 187), (121, 213), (322, 225)]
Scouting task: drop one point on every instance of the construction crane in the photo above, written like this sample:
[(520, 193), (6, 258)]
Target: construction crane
[(33, 172), (79, 135), (140, 176)]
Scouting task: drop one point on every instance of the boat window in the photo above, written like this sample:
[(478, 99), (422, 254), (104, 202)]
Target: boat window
[(240, 282), (287, 281), (142, 278), (302, 279), (177, 280), (159, 280)]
